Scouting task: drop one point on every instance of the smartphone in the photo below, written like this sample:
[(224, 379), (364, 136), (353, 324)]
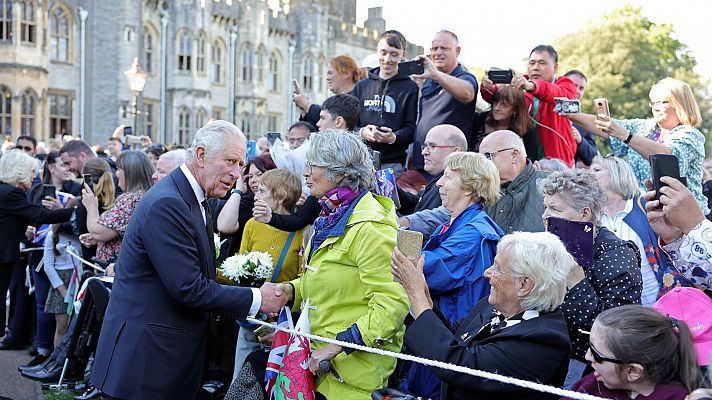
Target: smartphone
[(376, 159), (601, 106), (128, 130), (88, 181), (497, 75), (49, 191), (131, 139), (410, 243), (407, 68), (664, 165), (577, 237), (564, 105), (272, 136), (295, 86)]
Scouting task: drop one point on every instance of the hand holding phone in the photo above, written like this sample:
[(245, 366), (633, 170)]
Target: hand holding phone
[(88, 181), (410, 243), (295, 87), (497, 75), (601, 106), (664, 165), (49, 191)]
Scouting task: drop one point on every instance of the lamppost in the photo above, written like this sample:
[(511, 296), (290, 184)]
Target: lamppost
[(136, 77)]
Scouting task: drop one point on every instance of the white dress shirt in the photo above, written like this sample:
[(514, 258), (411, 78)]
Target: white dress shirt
[(200, 195)]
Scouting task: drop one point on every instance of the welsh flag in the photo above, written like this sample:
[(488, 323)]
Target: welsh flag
[(276, 355), (295, 381)]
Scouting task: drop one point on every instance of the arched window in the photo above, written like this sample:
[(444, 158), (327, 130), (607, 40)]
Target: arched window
[(199, 118), (261, 64), (29, 106), (273, 75), (200, 53), (245, 123), (185, 51), (59, 35), (148, 49), (183, 126), (321, 76), (216, 62), (6, 20), (27, 21), (247, 62), (60, 114), (5, 111), (308, 73)]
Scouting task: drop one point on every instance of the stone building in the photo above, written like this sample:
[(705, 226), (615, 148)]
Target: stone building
[(62, 63)]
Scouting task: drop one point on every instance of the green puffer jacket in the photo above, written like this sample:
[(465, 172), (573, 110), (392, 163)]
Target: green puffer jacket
[(349, 281)]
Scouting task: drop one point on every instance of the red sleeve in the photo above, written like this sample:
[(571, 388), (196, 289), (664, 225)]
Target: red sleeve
[(547, 91), (487, 95)]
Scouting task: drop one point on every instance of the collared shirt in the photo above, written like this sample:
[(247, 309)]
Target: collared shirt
[(200, 196), (651, 286)]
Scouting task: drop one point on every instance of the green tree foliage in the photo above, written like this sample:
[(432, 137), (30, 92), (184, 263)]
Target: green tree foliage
[(623, 54)]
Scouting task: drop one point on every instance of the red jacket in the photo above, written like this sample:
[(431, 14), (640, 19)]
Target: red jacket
[(554, 131)]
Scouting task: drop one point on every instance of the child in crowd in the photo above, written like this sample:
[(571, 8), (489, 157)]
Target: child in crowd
[(638, 353)]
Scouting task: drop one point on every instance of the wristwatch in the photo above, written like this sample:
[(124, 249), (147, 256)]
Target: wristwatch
[(238, 191)]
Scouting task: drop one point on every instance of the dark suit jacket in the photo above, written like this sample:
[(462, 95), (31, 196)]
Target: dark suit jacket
[(16, 213), (428, 199), (535, 350), (152, 342)]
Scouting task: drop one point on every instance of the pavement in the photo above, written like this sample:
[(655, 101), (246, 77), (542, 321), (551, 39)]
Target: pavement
[(12, 385)]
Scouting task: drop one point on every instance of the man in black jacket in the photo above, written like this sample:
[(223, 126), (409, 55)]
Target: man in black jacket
[(441, 141)]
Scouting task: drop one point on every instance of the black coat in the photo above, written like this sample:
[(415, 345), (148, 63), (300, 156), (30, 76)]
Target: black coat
[(16, 213), (152, 343), (428, 199), (536, 350)]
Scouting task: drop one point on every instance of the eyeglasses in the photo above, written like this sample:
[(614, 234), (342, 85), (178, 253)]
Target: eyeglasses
[(432, 147), (599, 358), (659, 103), (491, 155), (26, 148), (296, 140)]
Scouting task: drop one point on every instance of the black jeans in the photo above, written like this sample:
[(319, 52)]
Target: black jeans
[(5, 277)]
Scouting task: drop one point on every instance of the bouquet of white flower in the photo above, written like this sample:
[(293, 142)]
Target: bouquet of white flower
[(218, 244), (250, 269)]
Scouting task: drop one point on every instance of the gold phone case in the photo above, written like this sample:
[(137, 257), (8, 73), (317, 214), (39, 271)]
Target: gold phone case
[(410, 243)]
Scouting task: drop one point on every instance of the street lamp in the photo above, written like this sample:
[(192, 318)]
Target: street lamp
[(136, 78)]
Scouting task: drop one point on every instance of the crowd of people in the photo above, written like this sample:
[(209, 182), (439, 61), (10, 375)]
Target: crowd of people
[(619, 305)]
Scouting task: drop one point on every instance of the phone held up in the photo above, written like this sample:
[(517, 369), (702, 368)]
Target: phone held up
[(577, 237), (408, 68), (567, 106), (601, 106), (664, 165), (272, 137), (497, 75), (49, 191), (88, 181), (295, 87), (409, 243)]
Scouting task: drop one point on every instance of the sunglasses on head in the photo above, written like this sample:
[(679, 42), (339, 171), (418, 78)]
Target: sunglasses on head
[(600, 358)]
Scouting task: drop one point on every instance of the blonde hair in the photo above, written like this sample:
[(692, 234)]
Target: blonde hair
[(622, 177), (17, 167), (682, 98), (104, 188), (284, 185), (477, 174)]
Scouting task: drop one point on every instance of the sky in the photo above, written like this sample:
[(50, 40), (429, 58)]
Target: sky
[(502, 33)]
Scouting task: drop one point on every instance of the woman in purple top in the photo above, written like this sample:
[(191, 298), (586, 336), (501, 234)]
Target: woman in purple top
[(637, 352)]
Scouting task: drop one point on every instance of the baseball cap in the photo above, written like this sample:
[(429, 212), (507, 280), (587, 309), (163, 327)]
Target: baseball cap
[(695, 308)]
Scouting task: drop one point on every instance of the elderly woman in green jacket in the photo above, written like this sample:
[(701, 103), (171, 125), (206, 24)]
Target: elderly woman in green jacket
[(347, 278)]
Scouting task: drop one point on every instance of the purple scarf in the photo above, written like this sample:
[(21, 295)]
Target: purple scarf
[(334, 204)]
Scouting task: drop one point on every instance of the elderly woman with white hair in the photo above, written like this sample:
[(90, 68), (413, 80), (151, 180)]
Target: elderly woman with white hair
[(614, 277), (624, 215), (347, 280), (518, 331), (17, 169)]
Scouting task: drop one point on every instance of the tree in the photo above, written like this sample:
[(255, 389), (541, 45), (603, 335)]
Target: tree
[(623, 54)]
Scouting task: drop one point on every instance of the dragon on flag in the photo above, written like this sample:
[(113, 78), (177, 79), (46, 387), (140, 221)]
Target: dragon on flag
[(276, 355), (295, 381)]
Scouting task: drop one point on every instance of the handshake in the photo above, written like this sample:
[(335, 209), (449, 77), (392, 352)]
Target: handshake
[(275, 296)]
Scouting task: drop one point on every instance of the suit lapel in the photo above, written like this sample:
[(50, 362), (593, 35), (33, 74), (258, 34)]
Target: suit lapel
[(207, 267)]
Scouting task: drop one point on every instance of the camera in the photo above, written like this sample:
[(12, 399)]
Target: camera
[(497, 75), (564, 105)]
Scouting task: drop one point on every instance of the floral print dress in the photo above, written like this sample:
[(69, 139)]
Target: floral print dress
[(117, 218)]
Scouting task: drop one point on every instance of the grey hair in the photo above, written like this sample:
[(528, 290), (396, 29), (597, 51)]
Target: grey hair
[(579, 189), (552, 164), (622, 177), (345, 156), (211, 137), (541, 257), (178, 156), (17, 167)]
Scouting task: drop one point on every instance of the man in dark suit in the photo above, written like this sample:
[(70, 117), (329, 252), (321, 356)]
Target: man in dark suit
[(152, 342)]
